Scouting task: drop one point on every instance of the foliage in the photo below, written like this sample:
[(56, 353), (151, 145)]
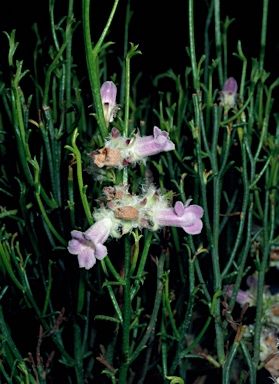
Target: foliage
[(161, 306)]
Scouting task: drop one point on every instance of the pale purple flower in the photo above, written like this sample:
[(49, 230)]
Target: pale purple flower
[(248, 296), (141, 147), (242, 297), (228, 95), (184, 216), (88, 245), (108, 95)]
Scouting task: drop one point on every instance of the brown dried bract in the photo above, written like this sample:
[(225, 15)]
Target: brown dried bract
[(275, 310), (274, 254), (112, 193), (272, 361), (127, 213), (107, 157)]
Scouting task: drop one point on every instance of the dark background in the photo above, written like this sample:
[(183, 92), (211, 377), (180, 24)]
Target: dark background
[(160, 28)]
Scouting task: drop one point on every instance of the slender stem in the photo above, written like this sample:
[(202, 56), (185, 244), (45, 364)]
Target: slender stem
[(7, 337), (216, 203), (68, 69), (261, 277), (151, 326), (7, 263), (82, 188), (197, 338), (78, 355), (51, 69), (183, 329), (168, 308), (127, 96), (92, 61), (113, 271), (115, 304), (48, 288), (140, 270), (248, 361), (126, 40), (207, 44), (218, 40), (228, 364), (263, 35), (243, 209), (126, 317), (192, 43)]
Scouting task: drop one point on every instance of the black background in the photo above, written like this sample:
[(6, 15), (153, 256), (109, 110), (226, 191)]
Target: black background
[(160, 28)]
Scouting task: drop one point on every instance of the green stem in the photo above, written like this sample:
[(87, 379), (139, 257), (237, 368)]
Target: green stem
[(126, 40), (78, 355), (197, 338), (51, 69), (68, 69), (141, 264), (227, 366), (168, 308), (48, 288), (7, 337), (183, 329), (153, 319), (82, 188), (207, 44), (192, 44), (126, 317), (115, 304), (7, 263), (263, 35), (261, 278), (218, 40), (92, 61), (164, 346), (248, 361), (47, 220), (216, 203), (113, 270)]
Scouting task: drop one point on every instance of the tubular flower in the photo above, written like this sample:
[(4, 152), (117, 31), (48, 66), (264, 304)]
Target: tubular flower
[(184, 216), (120, 212), (242, 297), (122, 151), (141, 147), (228, 95), (88, 245), (108, 95), (150, 210)]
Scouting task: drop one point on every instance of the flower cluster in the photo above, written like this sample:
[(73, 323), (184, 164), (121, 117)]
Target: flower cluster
[(121, 212), (120, 151)]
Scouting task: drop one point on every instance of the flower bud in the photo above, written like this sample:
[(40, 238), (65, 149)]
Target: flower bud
[(228, 95), (108, 96)]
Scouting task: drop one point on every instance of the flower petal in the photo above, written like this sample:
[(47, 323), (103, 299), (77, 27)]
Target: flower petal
[(86, 258), (77, 234), (194, 229), (75, 246), (179, 208), (101, 251), (188, 202), (196, 210)]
